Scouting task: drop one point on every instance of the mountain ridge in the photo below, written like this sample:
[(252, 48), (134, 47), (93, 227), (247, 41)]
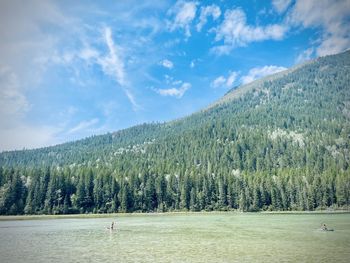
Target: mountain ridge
[(282, 144), (230, 95)]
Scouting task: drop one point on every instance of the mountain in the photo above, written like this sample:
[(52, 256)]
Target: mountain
[(278, 143)]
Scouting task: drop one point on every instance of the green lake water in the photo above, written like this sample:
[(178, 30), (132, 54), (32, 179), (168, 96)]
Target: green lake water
[(201, 237)]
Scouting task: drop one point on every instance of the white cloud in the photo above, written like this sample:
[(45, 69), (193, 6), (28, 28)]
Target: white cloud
[(175, 92), (212, 10), (167, 63), (235, 32), (305, 55), (333, 44), (332, 16), (231, 78), (88, 54), (259, 72), (228, 82), (83, 125), (184, 13), (192, 64), (113, 66), (221, 50), (281, 5), (218, 82)]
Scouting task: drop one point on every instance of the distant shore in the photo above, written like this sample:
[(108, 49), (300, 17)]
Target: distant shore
[(113, 215)]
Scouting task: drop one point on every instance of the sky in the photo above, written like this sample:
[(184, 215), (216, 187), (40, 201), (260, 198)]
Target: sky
[(72, 69)]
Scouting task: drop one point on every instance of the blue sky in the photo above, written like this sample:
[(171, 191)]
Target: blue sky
[(71, 69)]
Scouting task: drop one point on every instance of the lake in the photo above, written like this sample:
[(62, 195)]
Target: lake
[(178, 237)]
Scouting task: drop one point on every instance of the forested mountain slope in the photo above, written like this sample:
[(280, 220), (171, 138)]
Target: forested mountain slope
[(279, 143)]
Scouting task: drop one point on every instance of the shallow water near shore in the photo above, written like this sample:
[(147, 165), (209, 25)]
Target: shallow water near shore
[(202, 237)]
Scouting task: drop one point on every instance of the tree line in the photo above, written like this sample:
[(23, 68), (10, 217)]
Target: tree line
[(66, 191)]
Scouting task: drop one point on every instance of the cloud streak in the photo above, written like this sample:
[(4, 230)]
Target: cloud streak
[(174, 92), (113, 66), (259, 72), (83, 125)]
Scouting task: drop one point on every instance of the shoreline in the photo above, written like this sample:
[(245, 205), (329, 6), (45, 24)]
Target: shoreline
[(111, 215)]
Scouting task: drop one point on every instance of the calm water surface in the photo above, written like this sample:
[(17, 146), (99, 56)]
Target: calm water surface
[(217, 237)]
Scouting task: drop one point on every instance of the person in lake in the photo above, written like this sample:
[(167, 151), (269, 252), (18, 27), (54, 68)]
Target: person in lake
[(324, 227), (112, 226)]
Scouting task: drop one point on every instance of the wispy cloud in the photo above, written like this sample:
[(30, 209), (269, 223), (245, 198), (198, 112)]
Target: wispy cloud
[(235, 32), (183, 13), (281, 5), (83, 125), (331, 16), (259, 72), (167, 63), (171, 81), (88, 54), (175, 92), (113, 65), (231, 78), (218, 82), (212, 10), (305, 55), (222, 81)]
